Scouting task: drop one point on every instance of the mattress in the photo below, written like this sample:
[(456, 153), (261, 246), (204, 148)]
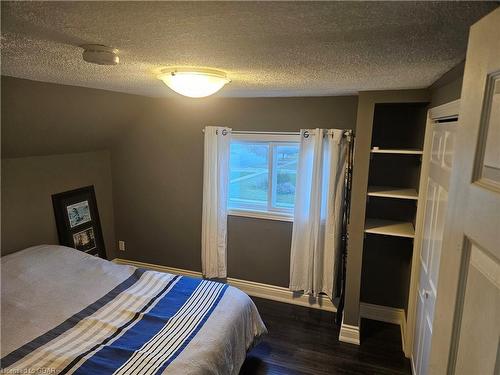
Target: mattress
[(66, 312)]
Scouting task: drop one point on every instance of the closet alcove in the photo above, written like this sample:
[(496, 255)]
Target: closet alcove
[(390, 135), (391, 203)]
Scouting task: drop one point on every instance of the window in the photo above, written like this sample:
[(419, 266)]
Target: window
[(262, 175)]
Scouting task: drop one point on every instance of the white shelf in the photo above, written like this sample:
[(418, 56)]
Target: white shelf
[(392, 192), (407, 151), (390, 228)]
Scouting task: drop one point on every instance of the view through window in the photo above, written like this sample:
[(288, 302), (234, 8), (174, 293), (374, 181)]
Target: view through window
[(263, 175)]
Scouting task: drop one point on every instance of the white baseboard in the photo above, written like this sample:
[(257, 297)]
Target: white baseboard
[(385, 314), (157, 267), (349, 333), (252, 288), (281, 294)]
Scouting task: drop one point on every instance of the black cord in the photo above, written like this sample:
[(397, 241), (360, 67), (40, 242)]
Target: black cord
[(345, 235)]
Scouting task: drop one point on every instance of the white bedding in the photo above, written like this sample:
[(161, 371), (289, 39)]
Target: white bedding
[(44, 286)]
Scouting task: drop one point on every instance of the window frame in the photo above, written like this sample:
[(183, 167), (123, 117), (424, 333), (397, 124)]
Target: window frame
[(271, 212)]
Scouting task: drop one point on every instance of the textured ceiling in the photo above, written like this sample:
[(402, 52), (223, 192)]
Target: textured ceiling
[(267, 48)]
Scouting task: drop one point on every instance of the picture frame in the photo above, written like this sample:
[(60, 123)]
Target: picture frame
[(77, 220)]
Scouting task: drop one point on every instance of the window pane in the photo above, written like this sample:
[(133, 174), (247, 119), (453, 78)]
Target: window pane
[(286, 173), (249, 175)]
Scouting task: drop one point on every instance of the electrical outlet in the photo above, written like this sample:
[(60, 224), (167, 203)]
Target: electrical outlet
[(121, 245)]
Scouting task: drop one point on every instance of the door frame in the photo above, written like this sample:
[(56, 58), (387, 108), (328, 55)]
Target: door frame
[(442, 112)]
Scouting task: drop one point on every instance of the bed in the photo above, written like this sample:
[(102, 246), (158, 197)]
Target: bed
[(66, 312)]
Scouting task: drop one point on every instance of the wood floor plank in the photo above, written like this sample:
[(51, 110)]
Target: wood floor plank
[(305, 341)]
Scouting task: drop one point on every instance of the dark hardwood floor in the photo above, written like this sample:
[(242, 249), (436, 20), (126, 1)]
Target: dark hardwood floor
[(305, 341)]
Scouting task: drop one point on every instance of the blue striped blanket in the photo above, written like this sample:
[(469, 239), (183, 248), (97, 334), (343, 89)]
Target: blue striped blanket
[(139, 327)]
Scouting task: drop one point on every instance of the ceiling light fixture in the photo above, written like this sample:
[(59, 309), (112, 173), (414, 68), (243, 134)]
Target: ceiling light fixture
[(194, 82)]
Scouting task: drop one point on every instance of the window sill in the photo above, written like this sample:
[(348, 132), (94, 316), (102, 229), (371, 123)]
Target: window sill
[(261, 215)]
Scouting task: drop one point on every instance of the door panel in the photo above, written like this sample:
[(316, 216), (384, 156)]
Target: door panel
[(481, 318), (419, 331), (466, 326), (441, 160), (449, 144), (441, 204), (428, 225)]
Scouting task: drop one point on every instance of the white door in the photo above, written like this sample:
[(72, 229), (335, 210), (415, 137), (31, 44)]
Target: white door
[(442, 126), (466, 329)]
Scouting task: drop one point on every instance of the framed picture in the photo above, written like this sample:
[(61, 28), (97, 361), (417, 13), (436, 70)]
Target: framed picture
[(78, 213), (85, 240), (77, 220)]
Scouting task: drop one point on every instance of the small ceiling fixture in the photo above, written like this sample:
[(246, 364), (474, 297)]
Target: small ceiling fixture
[(194, 82), (99, 54)]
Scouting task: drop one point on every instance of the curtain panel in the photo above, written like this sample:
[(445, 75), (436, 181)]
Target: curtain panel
[(317, 226), (215, 190)]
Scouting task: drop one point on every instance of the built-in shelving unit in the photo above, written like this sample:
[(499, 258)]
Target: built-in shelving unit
[(392, 192), (392, 196), (407, 151), (390, 228)]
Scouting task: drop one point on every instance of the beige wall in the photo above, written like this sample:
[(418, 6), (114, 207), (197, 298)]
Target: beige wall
[(28, 184)]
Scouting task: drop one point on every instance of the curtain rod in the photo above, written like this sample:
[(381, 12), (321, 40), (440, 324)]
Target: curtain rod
[(259, 132), (346, 132), (263, 132)]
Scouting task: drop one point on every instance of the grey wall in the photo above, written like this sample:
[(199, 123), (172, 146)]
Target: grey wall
[(156, 148), (259, 250), (44, 127), (28, 184), (448, 87), (157, 171), (44, 119)]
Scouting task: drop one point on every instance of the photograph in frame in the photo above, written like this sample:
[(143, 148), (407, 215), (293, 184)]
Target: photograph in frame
[(84, 240), (78, 213)]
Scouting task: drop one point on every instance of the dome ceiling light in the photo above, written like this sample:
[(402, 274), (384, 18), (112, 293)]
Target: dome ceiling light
[(194, 82)]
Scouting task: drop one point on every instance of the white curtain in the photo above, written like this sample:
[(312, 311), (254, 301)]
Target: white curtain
[(215, 186), (317, 225)]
